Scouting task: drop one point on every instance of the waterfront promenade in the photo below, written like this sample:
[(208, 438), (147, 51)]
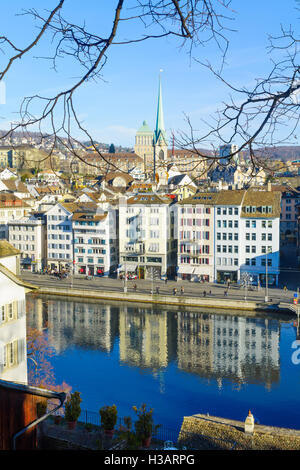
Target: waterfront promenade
[(194, 294)]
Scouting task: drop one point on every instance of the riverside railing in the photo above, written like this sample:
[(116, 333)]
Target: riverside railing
[(182, 439)]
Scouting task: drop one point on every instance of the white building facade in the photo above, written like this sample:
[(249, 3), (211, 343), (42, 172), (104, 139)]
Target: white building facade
[(195, 222), (147, 236), (59, 237), (95, 242), (29, 236), (247, 235)]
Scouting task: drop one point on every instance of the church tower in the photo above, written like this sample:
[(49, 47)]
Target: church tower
[(160, 143), (144, 145)]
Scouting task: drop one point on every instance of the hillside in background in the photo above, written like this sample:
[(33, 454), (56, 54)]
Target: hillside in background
[(281, 152), (284, 152)]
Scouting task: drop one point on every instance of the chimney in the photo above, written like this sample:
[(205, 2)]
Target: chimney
[(249, 423)]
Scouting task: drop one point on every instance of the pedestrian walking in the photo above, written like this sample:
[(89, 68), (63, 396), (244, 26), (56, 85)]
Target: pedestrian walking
[(166, 280), (174, 291), (182, 290), (204, 293), (135, 287), (157, 290)]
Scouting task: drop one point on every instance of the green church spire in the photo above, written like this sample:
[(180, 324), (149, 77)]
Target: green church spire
[(160, 127)]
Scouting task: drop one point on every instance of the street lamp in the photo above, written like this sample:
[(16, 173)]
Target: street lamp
[(125, 279), (266, 290)]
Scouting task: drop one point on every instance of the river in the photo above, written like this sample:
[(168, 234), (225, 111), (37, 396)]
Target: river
[(178, 362)]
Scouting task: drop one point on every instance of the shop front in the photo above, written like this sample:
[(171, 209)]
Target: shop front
[(100, 271), (199, 276), (224, 276), (81, 269), (129, 270), (184, 273), (91, 270), (272, 279), (26, 264)]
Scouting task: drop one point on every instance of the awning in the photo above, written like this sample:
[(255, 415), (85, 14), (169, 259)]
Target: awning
[(198, 271), (186, 269), (129, 267)]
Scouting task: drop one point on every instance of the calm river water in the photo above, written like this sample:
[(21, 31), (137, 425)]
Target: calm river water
[(177, 362)]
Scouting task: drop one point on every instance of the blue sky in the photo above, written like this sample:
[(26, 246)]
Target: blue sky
[(113, 109)]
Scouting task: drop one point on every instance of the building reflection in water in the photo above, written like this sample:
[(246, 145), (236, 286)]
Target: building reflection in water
[(211, 346), (145, 337), (235, 348), (87, 325)]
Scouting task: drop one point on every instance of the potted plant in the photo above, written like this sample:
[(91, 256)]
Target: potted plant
[(72, 409), (144, 426), (108, 419), (126, 433)]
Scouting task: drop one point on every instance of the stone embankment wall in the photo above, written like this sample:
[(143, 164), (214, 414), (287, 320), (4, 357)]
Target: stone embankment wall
[(176, 300), (210, 432)]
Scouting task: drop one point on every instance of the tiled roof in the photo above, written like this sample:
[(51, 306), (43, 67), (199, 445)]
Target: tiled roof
[(252, 198), (85, 217), (6, 249), (15, 185), (261, 199), (207, 198), (112, 156), (149, 199), (8, 197), (126, 177)]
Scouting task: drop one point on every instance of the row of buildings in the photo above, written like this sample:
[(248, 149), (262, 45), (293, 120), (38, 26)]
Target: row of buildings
[(151, 214), (210, 236)]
